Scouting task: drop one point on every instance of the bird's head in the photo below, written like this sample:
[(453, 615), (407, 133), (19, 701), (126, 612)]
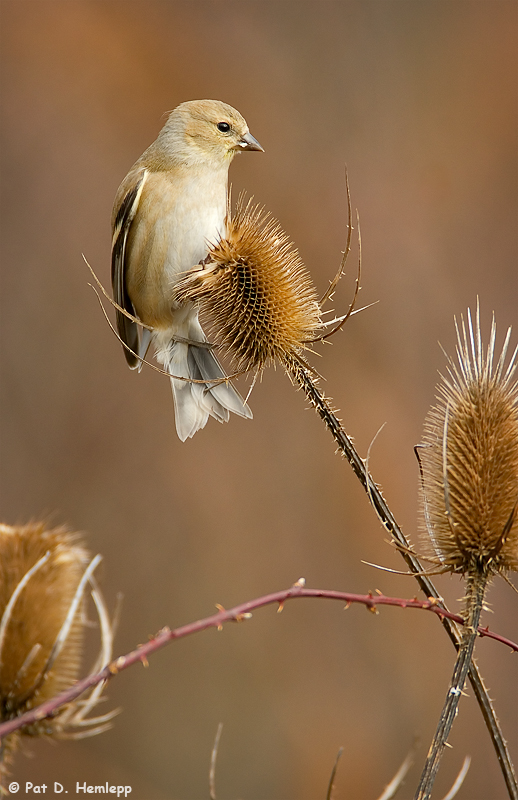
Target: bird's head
[(207, 131)]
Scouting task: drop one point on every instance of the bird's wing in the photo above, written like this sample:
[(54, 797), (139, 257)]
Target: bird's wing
[(128, 330)]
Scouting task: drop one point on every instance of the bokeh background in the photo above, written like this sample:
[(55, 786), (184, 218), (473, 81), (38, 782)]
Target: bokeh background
[(419, 99)]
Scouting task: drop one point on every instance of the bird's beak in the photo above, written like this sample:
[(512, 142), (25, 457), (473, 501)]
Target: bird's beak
[(249, 142)]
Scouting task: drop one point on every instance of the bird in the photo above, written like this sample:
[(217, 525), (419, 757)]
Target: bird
[(169, 209)]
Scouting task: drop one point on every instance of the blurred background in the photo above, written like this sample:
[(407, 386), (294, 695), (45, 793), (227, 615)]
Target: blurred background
[(420, 101)]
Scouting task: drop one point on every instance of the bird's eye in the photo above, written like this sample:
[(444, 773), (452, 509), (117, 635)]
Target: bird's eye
[(224, 127)]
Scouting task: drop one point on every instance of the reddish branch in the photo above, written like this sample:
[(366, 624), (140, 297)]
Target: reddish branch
[(236, 614)]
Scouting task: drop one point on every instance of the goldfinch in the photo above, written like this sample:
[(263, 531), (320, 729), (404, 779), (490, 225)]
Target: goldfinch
[(169, 209)]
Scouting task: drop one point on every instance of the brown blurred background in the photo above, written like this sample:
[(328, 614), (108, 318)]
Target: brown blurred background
[(420, 100)]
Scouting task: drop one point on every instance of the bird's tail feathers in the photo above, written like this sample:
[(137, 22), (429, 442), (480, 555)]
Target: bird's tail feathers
[(195, 402)]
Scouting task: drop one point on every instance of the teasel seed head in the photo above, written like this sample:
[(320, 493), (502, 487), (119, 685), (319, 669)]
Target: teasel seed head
[(470, 459), (256, 291), (43, 577)]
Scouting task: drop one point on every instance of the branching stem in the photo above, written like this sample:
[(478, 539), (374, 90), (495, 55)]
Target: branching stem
[(303, 378), (239, 613)]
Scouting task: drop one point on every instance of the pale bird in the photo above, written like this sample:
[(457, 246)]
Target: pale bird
[(169, 208)]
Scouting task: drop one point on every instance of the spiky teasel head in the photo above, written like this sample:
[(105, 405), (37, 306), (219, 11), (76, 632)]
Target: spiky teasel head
[(43, 576), (256, 291), (470, 459)]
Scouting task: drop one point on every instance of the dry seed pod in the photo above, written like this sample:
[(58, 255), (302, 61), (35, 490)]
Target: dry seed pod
[(470, 459), (470, 493), (256, 291), (43, 577)]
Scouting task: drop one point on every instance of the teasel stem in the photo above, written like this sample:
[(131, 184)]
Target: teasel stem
[(301, 375), (475, 598)]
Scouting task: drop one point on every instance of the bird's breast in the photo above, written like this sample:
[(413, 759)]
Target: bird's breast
[(175, 221)]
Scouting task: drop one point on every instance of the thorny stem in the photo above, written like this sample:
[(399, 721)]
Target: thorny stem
[(237, 614), (302, 376), (475, 599)]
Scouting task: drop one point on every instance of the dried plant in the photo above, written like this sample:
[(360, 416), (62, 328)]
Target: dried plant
[(470, 461), (43, 576), (242, 613), (237, 284), (264, 309), (470, 490), (254, 287)]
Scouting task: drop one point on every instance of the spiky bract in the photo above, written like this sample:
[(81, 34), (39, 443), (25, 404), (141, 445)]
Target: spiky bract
[(256, 290), (470, 459)]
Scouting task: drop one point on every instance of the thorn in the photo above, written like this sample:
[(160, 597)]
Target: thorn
[(347, 605), (220, 609), (144, 661), (242, 617), (281, 606), (299, 584), (372, 609), (379, 593)]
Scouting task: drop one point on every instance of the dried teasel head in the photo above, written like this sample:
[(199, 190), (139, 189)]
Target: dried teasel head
[(256, 291), (44, 574), (470, 459)]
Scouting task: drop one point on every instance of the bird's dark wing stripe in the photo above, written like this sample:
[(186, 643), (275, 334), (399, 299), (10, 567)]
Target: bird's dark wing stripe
[(128, 330)]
